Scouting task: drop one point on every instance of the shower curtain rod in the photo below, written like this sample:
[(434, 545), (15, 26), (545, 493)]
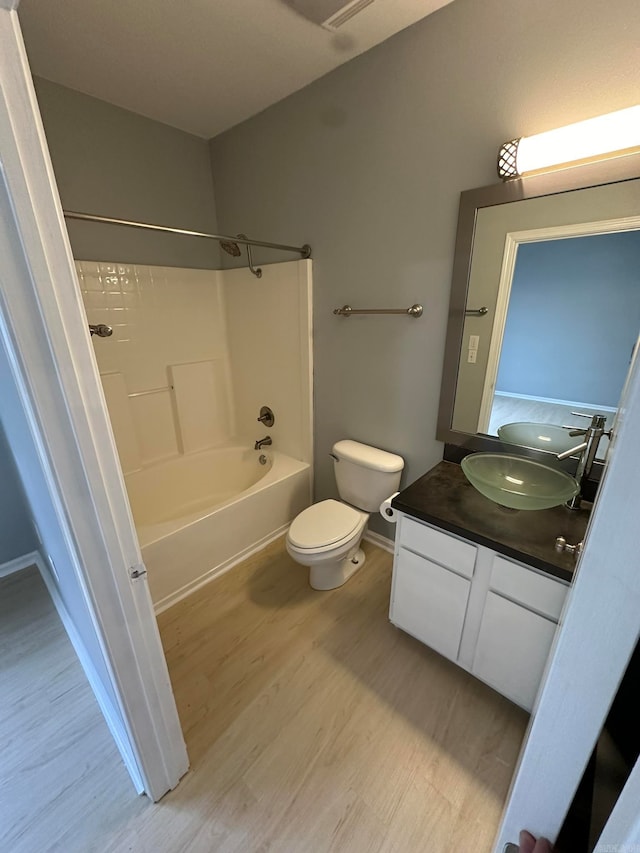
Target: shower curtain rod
[(305, 250)]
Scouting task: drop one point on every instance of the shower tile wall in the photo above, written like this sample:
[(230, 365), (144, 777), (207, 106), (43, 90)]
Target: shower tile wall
[(167, 323)]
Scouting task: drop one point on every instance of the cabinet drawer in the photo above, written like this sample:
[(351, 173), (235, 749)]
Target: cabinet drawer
[(440, 547), (535, 590), (512, 650), (429, 602)]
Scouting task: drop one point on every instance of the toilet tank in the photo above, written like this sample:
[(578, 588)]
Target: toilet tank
[(365, 475)]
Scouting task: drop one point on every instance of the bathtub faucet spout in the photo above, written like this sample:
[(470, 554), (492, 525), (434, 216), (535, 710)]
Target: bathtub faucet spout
[(262, 442)]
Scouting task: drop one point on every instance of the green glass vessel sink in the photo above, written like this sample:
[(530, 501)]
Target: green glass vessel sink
[(518, 482), (538, 436)]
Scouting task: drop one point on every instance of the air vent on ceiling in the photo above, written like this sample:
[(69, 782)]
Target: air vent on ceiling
[(331, 14), (346, 14)]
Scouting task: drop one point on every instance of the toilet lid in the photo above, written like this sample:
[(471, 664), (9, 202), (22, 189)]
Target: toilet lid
[(323, 524)]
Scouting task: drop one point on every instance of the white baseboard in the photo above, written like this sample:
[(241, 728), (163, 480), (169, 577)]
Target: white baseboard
[(112, 716), (186, 590), (575, 404), (379, 540), (23, 562)]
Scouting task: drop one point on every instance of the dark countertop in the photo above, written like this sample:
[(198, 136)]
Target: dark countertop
[(445, 498)]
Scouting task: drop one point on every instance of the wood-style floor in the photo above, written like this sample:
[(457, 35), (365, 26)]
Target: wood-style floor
[(314, 725), (62, 783)]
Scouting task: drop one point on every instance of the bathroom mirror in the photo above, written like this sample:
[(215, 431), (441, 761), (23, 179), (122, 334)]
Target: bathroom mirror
[(545, 303)]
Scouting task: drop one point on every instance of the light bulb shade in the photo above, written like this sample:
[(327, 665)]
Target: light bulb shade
[(585, 140)]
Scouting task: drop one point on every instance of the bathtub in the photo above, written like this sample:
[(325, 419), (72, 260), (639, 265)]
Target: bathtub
[(198, 515)]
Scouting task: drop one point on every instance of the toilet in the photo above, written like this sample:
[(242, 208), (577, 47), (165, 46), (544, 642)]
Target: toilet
[(326, 536)]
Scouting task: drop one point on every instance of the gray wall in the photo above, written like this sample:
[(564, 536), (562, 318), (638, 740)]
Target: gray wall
[(367, 164), (112, 162), (573, 320), (17, 534)]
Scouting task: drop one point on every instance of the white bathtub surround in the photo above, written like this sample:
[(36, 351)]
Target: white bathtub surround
[(193, 357), (196, 353), (122, 422), (201, 402), (163, 319), (270, 352)]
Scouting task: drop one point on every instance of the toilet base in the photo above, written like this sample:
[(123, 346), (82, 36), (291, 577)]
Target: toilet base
[(333, 575)]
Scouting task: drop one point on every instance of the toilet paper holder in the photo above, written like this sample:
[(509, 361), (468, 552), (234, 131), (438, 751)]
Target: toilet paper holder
[(387, 511)]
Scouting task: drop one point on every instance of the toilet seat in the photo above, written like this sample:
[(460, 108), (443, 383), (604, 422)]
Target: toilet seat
[(324, 526)]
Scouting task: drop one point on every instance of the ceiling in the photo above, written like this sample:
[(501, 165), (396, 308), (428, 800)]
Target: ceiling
[(203, 65)]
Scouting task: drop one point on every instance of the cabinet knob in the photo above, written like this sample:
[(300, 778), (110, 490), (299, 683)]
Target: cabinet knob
[(562, 545)]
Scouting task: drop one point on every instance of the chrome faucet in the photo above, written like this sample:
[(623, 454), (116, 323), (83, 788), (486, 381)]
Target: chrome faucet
[(262, 442), (587, 450)]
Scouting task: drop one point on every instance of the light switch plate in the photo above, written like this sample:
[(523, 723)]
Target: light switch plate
[(474, 341), (473, 355)]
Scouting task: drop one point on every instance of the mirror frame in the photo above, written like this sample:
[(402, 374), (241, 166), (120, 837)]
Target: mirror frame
[(611, 171)]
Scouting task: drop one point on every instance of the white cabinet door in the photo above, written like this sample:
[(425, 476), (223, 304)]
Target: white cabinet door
[(513, 646), (429, 602)]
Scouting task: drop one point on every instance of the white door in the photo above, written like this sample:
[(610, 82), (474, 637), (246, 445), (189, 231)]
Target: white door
[(56, 422), (598, 630)]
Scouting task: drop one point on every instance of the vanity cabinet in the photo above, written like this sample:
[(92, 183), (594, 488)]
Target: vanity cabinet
[(512, 649), (431, 585), (430, 603), (492, 616)]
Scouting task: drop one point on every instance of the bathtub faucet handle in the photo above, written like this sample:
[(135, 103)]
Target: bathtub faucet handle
[(266, 416), (262, 442)]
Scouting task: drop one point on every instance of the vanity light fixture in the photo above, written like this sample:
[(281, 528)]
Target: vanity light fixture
[(594, 138)]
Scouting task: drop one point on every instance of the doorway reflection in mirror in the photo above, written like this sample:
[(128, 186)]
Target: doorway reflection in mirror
[(571, 327)]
